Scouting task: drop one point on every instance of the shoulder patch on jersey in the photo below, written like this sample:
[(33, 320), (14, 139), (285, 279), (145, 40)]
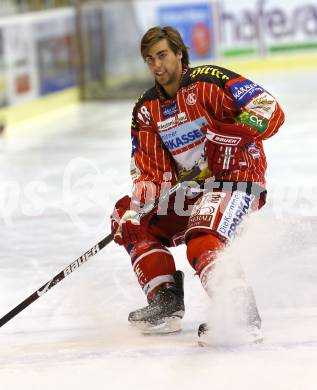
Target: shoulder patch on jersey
[(209, 73), (150, 94), (244, 90)]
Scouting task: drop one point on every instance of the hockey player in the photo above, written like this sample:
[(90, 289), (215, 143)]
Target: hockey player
[(203, 116)]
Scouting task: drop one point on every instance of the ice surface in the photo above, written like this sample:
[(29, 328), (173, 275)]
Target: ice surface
[(57, 191)]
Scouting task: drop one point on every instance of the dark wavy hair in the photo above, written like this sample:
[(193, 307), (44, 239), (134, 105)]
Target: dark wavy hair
[(173, 37)]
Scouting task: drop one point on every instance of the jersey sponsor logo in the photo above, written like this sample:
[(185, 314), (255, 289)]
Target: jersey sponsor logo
[(173, 121), (244, 91), (209, 70), (170, 110), (205, 210), (238, 206), (184, 135), (189, 88), (134, 142), (179, 141), (253, 120), (191, 99), (264, 104)]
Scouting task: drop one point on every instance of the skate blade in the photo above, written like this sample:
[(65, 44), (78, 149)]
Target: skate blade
[(208, 343), (255, 338), (204, 340), (168, 325)]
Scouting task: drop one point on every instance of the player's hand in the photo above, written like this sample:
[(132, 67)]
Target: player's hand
[(227, 149), (129, 229), (125, 223)]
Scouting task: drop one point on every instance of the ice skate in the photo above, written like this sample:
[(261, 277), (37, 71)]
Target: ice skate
[(247, 323), (205, 336), (164, 312), (251, 329)]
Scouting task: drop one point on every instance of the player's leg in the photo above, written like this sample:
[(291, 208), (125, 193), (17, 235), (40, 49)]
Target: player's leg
[(154, 267), (213, 222)]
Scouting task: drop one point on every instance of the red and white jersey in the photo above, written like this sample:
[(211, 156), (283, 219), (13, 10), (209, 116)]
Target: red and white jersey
[(169, 135)]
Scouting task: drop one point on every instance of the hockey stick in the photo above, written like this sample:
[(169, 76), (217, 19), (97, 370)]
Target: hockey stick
[(92, 252)]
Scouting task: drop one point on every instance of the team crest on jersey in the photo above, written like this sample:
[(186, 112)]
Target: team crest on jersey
[(191, 99), (170, 110)]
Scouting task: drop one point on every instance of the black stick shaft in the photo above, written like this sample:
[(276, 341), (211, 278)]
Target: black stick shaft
[(86, 256), (56, 279)]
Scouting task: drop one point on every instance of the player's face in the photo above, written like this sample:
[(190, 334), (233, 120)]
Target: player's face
[(164, 64)]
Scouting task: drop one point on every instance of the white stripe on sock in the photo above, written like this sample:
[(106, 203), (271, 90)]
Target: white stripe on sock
[(156, 282)]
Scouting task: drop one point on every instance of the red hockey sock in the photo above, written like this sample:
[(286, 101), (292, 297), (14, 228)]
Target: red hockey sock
[(153, 268), (202, 250)]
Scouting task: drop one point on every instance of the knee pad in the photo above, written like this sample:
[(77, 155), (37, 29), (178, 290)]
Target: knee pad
[(202, 250)]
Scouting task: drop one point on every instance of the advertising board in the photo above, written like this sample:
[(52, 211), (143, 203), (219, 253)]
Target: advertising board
[(265, 26), (55, 47), (3, 89), (19, 59), (195, 23)]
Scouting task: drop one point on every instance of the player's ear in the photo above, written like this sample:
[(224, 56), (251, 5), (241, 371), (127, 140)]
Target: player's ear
[(179, 55)]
